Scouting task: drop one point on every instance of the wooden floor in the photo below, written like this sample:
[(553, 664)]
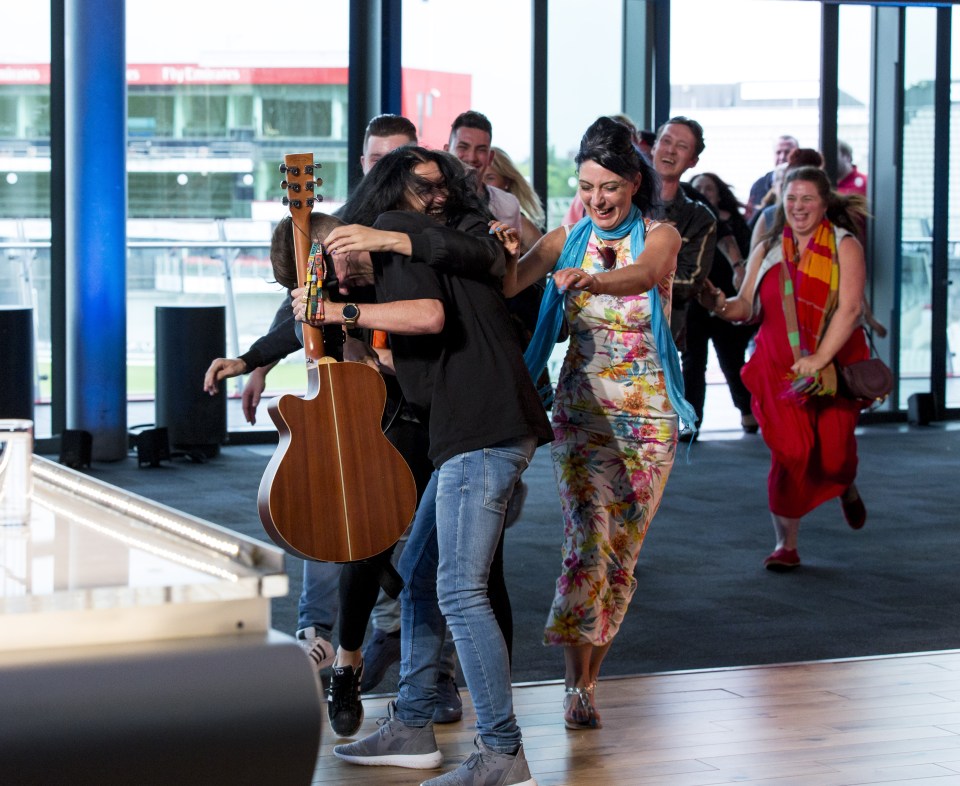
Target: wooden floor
[(889, 720)]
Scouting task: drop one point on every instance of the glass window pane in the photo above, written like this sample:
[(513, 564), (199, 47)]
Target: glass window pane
[(213, 106), (204, 115), (150, 113), (25, 178), (730, 72), (583, 84), (853, 82), (953, 223), (916, 240), (449, 68)]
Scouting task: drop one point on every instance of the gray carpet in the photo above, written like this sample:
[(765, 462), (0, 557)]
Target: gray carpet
[(704, 599)]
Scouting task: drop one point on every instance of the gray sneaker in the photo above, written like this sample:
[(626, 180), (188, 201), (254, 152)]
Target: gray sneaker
[(487, 768), (394, 744)]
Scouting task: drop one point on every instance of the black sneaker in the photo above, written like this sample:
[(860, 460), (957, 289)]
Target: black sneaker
[(449, 707), (344, 707), (381, 652)]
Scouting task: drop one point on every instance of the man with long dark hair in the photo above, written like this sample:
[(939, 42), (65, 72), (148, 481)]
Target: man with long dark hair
[(460, 367)]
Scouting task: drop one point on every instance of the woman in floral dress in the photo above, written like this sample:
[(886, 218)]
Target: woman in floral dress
[(618, 395)]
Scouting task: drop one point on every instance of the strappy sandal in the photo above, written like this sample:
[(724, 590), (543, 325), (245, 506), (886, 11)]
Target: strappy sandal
[(579, 711)]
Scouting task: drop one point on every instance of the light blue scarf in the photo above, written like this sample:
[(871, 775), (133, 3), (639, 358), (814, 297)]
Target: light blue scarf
[(550, 317)]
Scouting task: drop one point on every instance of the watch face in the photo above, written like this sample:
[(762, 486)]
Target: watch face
[(350, 312)]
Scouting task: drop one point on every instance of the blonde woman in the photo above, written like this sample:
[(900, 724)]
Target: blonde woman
[(503, 173)]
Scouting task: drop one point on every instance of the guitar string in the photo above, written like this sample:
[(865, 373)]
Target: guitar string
[(343, 490)]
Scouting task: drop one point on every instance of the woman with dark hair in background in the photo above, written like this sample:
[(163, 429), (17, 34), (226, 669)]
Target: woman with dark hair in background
[(805, 281), (618, 395), (729, 341)]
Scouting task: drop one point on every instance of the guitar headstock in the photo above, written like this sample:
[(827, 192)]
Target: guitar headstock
[(302, 187), (300, 182)]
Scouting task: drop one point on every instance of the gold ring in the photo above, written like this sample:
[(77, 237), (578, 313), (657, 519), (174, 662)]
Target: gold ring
[(303, 298)]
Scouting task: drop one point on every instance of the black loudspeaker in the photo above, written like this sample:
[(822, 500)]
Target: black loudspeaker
[(188, 339), (152, 444), (16, 360), (921, 409), (75, 448)]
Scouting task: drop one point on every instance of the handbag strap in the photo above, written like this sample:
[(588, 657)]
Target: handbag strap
[(873, 347)]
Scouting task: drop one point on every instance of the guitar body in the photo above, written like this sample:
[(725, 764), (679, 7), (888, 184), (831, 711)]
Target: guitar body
[(336, 490)]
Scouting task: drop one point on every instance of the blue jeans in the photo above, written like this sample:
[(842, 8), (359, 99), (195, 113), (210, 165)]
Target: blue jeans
[(319, 598), (445, 566)]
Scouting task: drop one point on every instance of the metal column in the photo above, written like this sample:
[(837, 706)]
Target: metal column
[(96, 206)]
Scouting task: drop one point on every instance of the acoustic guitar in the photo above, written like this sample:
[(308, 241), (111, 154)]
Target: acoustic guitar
[(336, 490)]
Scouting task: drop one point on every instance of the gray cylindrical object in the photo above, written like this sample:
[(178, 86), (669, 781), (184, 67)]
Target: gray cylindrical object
[(16, 360), (188, 339)]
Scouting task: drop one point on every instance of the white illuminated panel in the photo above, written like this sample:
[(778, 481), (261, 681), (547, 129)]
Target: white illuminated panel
[(97, 564)]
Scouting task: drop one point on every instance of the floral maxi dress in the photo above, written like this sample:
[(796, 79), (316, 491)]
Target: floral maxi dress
[(615, 437)]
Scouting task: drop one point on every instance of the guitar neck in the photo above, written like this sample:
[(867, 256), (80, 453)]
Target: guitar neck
[(300, 184)]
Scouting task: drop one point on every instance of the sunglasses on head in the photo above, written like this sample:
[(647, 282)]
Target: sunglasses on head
[(608, 256), (425, 188)]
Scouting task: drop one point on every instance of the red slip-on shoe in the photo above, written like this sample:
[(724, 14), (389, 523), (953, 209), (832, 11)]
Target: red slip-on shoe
[(855, 512), (782, 560)]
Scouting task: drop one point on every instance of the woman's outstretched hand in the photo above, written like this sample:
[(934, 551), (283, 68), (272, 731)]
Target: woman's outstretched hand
[(508, 236), (712, 298)]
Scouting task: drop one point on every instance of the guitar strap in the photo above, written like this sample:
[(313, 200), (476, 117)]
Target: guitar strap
[(314, 284), (317, 279)]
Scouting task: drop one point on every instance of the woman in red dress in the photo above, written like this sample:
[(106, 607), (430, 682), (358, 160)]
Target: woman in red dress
[(804, 284)]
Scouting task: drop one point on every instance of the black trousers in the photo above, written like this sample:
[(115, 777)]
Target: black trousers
[(730, 343)]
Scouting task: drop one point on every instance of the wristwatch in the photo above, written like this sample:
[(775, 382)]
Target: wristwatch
[(351, 313)]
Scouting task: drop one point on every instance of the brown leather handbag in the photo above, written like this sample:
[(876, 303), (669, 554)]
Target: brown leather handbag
[(870, 380)]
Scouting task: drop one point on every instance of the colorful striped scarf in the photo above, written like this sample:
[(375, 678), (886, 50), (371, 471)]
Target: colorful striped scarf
[(809, 286), (816, 284)]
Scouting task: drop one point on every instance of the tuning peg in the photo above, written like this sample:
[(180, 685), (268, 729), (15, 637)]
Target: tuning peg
[(284, 184), (293, 170), (283, 169), (319, 181), (284, 201), (310, 202)]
